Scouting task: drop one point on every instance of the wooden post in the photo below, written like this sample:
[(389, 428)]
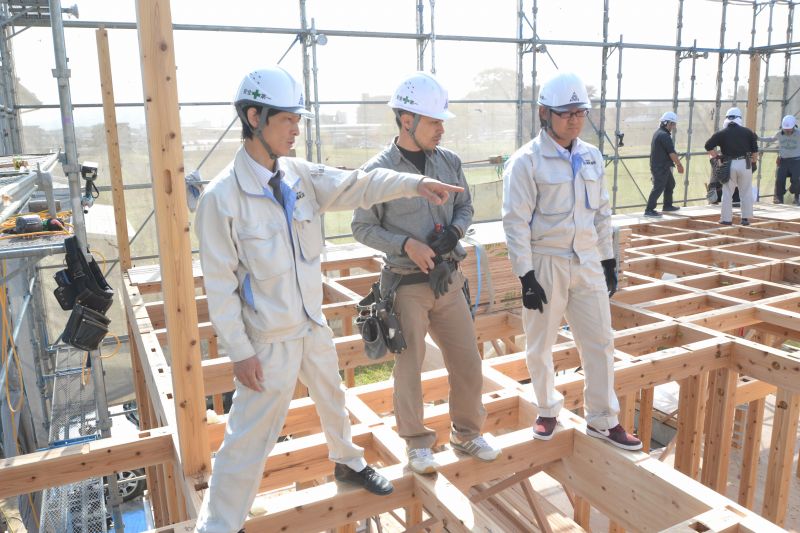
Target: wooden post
[(160, 88), (751, 451), (716, 453), (752, 91), (781, 454), (582, 512), (645, 430), (413, 515), (691, 407), (112, 145)]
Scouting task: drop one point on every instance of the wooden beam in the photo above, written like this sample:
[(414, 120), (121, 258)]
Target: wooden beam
[(716, 453), (35, 471), (751, 452), (691, 410), (160, 88), (781, 455), (752, 92), (767, 364), (645, 430), (112, 145), (443, 500)]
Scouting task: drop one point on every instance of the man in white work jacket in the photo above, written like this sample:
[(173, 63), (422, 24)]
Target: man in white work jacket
[(260, 235), (557, 221)]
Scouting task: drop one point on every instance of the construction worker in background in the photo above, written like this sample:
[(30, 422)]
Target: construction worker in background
[(739, 145), (422, 252), (557, 221), (788, 159), (662, 159), (260, 235)]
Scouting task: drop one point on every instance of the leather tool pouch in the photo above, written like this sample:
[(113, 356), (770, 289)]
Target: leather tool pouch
[(85, 328), (82, 281)]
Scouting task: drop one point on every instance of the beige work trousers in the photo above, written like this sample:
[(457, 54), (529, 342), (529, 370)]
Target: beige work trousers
[(451, 327), (741, 177), (256, 419), (577, 291)]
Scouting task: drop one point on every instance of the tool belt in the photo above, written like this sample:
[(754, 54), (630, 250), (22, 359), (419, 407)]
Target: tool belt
[(422, 277), (378, 324), (83, 289)]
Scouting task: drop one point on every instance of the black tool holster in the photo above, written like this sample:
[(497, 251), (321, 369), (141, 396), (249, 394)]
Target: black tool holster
[(82, 281)]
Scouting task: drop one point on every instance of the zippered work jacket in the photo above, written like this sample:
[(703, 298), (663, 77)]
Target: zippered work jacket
[(261, 262), (555, 203)]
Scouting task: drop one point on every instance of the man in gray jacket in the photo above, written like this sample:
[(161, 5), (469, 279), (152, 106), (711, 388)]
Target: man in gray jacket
[(260, 235), (421, 243)]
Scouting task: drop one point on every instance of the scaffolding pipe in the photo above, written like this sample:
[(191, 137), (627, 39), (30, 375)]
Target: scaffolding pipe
[(615, 186), (787, 61), (9, 96), (677, 72), (736, 75), (421, 39), (534, 51), (316, 90), (766, 91), (433, 36), (601, 128), (720, 63), (520, 84), (306, 76), (689, 131), (70, 165)]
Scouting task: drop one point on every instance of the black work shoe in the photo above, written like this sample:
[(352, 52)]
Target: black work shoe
[(745, 222), (670, 208), (652, 213), (367, 478)]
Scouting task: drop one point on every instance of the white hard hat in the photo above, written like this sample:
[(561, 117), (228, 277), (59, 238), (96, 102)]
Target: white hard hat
[(669, 116), (422, 94), (788, 122), (271, 87), (564, 90), (733, 112)]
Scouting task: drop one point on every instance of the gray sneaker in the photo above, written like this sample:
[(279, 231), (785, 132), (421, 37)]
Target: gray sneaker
[(477, 447)]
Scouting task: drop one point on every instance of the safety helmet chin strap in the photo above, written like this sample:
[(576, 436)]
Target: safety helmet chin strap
[(413, 129), (548, 125), (262, 121)]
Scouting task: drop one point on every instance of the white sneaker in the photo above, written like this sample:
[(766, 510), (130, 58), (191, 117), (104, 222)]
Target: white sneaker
[(421, 461), (477, 447)]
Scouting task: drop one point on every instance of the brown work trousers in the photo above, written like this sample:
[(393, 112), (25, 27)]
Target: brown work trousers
[(451, 327)]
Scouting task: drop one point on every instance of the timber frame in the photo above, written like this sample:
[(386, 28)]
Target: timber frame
[(728, 302)]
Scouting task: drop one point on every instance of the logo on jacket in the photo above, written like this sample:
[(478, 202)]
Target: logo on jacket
[(300, 194)]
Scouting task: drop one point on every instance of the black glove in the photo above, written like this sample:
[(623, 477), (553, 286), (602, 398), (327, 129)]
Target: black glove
[(440, 279), (445, 241), (610, 270), (755, 167), (533, 296)]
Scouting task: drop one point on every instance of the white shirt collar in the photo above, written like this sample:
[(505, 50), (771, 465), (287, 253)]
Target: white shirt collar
[(259, 171)]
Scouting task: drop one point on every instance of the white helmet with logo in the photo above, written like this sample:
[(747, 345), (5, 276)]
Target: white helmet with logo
[(669, 116), (271, 87), (789, 122), (733, 112), (563, 91), (421, 94)]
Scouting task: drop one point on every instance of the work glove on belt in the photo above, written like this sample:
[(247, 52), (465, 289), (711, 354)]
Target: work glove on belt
[(610, 271), (444, 241), (533, 296), (440, 278)]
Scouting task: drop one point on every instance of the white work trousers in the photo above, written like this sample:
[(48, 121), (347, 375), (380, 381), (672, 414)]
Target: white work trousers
[(579, 292), (256, 419), (741, 177)]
